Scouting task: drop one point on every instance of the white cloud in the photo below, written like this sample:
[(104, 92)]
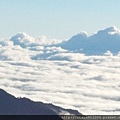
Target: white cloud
[(46, 72), (43, 40), (71, 84)]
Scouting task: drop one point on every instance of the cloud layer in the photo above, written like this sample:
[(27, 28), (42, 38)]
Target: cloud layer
[(68, 73)]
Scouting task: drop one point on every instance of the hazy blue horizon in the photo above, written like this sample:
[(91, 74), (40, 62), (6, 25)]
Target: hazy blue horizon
[(57, 18)]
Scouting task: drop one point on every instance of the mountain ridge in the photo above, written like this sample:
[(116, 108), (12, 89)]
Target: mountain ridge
[(97, 44), (11, 105)]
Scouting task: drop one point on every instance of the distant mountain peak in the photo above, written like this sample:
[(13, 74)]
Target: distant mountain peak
[(83, 33), (112, 29), (98, 43)]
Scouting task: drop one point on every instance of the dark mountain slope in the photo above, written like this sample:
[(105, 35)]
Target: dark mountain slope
[(10, 105)]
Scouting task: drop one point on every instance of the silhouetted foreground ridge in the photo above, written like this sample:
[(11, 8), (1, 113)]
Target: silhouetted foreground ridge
[(10, 105)]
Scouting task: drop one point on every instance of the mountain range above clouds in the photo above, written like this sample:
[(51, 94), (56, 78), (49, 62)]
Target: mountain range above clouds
[(98, 43), (101, 42)]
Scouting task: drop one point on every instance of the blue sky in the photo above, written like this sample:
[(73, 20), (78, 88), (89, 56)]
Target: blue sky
[(57, 18)]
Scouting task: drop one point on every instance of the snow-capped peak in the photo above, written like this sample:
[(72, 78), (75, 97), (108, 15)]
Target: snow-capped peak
[(112, 30), (83, 33)]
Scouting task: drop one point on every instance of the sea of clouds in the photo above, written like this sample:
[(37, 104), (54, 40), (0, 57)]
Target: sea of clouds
[(81, 73)]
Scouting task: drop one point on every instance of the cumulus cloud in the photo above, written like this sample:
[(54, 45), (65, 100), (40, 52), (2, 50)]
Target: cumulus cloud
[(43, 40), (48, 72), (24, 40)]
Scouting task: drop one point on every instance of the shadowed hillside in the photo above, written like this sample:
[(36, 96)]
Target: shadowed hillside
[(9, 105)]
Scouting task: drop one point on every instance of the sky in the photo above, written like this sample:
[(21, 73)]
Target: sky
[(58, 19)]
